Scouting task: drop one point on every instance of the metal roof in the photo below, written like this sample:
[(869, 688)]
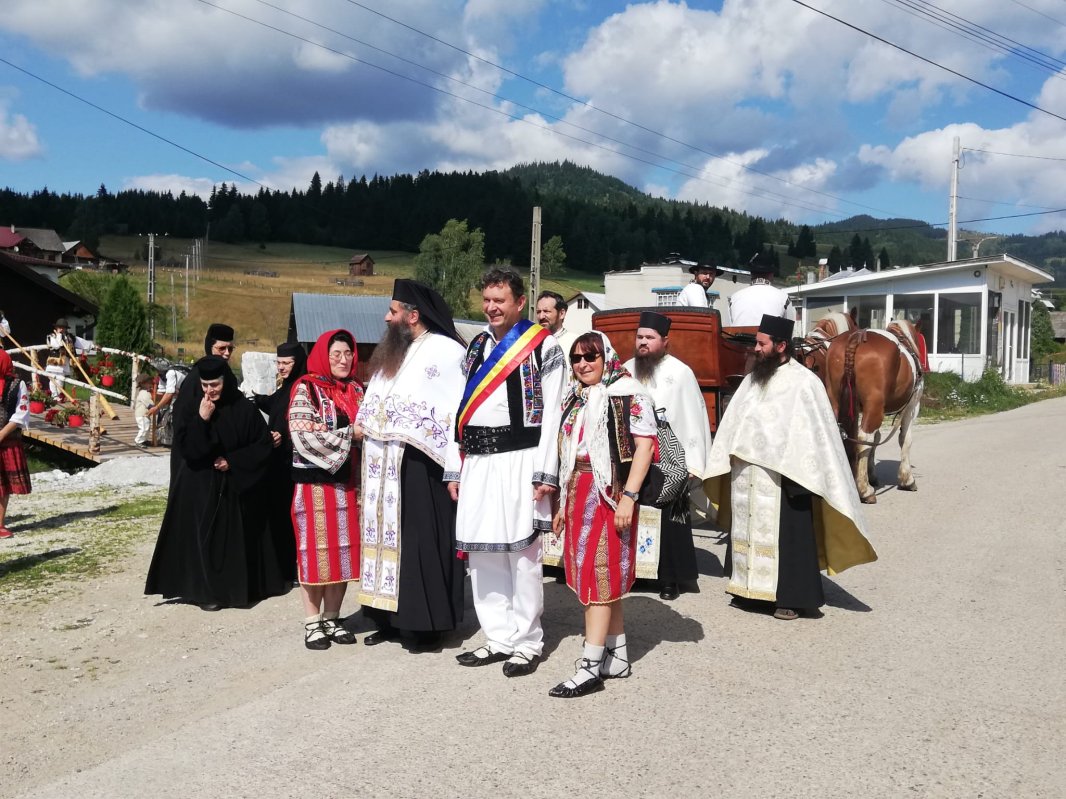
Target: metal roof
[(45, 238), (363, 315)]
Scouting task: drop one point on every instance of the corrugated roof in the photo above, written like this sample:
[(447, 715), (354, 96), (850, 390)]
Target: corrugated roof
[(363, 315), (9, 238)]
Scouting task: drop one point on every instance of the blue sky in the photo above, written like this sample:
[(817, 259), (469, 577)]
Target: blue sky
[(760, 105)]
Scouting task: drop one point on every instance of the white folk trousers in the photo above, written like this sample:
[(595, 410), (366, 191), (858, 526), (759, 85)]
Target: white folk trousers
[(509, 598)]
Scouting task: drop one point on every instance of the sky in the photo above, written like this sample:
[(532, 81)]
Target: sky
[(764, 106)]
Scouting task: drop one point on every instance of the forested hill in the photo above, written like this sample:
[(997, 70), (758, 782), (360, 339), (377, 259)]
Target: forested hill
[(603, 222)]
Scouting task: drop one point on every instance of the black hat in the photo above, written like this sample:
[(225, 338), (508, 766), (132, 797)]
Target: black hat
[(776, 327), (212, 367), (656, 321), (718, 271), (432, 309), (61, 323), (291, 350), (760, 265), (220, 332)]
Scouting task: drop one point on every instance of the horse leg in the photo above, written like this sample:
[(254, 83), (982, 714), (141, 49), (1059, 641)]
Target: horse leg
[(867, 434), (905, 478)]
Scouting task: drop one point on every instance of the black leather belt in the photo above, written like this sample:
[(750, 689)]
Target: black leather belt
[(491, 440)]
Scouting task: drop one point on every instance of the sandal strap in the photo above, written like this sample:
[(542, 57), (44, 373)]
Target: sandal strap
[(611, 652), (314, 631), (592, 667)]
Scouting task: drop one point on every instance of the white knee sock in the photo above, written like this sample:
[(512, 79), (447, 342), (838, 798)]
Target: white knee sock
[(593, 657), (617, 659)]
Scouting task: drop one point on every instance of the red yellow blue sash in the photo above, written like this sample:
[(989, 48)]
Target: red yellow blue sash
[(505, 357)]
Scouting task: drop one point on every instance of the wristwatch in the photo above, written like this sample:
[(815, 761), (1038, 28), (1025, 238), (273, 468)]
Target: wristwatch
[(633, 495)]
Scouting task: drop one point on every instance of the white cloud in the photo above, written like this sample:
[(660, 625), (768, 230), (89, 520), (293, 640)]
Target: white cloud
[(18, 136), (171, 182)]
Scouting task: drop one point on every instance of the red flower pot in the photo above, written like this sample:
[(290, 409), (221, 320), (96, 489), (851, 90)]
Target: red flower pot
[(107, 381), (36, 406), (74, 420)]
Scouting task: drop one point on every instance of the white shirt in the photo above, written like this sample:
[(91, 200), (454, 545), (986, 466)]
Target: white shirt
[(174, 380), (694, 295), (747, 306)]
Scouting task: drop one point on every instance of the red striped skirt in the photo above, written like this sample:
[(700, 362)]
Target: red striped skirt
[(600, 564), (14, 470), (325, 518)]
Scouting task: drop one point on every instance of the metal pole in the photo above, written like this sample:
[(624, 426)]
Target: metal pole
[(186, 286), (173, 309), (953, 211), (534, 265), (151, 284)]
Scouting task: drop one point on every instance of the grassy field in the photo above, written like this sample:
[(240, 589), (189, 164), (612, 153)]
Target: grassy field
[(258, 307), (948, 396)]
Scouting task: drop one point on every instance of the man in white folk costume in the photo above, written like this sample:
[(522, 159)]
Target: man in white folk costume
[(412, 581), (747, 306), (694, 295), (62, 345), (508, 428), (677, 397), (782, 484)]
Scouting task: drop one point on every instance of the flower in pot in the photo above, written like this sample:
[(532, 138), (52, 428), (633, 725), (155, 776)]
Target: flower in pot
[(105, 370), (39, 400)]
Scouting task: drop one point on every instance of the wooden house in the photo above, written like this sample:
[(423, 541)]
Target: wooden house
[(361, 265)]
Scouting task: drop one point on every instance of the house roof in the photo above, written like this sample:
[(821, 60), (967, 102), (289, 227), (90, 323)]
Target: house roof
[(9, 238), (361, 314), (1005, 264), (597, 300), (47, 240), (13, 263), (359, 256)]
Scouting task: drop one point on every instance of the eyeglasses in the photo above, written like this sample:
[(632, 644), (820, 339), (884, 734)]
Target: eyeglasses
[(341, 356), (587, 357), (224, 347)]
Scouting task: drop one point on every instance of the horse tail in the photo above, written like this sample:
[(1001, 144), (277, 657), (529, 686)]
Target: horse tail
[(849, 412)]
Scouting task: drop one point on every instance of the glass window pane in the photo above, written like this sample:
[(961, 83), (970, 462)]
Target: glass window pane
[(868, 311), (915, 308), (820, 307), (959, 324)]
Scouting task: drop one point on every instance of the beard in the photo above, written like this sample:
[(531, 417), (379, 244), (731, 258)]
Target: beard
[(644, 365), (392, 349), (765, 367)]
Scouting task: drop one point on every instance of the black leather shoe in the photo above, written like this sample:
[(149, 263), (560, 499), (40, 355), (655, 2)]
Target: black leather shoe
[(563, 691), (424, 642), (669, 592), (528, 666), (380, 636), (487, 657)]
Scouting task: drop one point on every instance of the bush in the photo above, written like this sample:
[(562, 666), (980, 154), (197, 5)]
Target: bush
[(948, 393)]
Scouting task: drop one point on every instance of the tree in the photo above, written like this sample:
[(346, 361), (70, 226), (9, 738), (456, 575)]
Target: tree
[(835, 261), (93, 286), (552, 255), (1042, 337), (123, 320), (805, 246), (451, 262), (883, 260)]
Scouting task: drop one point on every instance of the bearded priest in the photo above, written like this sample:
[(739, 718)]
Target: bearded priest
[(782, 484)]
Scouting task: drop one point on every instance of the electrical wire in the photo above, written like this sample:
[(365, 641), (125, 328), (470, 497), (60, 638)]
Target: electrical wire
[(1014, 155)]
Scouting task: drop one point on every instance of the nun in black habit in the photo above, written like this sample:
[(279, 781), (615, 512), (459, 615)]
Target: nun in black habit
[(214, 547), (292, 365)]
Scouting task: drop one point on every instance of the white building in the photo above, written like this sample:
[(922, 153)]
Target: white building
[(580, 308), (659, 285), (974, 313)]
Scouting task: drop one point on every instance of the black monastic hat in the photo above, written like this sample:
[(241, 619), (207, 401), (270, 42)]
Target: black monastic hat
[(291, 350), (656, 321), (776, 327), (432, 309), (760, 265), (211, 367), (220, 332)]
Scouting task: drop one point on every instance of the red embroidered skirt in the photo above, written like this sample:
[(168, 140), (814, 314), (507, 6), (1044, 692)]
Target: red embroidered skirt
[(14, 470), (325, 518), (600, 564)]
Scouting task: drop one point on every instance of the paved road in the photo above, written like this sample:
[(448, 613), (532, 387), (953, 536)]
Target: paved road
[(935, 672)]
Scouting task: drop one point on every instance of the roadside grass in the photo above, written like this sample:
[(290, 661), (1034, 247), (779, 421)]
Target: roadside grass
[(948, 396), (52, 550)]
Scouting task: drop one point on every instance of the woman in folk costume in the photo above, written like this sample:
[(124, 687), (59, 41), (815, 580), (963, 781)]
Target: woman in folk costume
[(14, 416), (214, 547), (606, 444), (325, 468), (292, 365)]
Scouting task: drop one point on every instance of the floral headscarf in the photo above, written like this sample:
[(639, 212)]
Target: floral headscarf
[(586, 420)]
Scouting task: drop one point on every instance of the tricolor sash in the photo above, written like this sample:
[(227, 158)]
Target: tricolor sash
[(505, 357)]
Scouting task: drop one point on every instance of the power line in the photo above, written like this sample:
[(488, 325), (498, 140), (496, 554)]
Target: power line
[(919, 225), (930, 61), (604, 111), (1001, 202), (132, 124), (515, 117), (1040, 13), (1014, 155)]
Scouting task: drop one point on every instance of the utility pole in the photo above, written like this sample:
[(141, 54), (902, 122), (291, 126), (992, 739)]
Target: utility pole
[(953, 211), (151, 284), (186, 285), (534, 266), (173, 308)]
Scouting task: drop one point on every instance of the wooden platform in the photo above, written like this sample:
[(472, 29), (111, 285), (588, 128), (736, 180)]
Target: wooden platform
[(116, 442)]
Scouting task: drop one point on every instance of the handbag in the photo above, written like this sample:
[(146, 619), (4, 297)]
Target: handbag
[(666, 484)]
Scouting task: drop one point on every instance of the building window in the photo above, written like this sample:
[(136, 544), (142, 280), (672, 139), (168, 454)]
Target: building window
[(666, 298), (915, 308), (959, 324), (868, 311), (582, 303)]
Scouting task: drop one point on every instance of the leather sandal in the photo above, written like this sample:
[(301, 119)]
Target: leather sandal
[(609, 652), (337, 632), (315, 636), (590, 686)]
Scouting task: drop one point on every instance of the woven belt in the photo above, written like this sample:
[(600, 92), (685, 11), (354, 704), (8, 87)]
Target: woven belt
[(582, 465), (492, 440)]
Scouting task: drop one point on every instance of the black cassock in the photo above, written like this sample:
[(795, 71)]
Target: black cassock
[(214, 544), (278, 479)]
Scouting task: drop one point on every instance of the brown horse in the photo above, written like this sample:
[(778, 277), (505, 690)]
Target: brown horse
[(871, 374), (812, 350)]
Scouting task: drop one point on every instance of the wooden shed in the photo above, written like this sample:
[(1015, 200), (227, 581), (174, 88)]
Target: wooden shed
[(361, 265)]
